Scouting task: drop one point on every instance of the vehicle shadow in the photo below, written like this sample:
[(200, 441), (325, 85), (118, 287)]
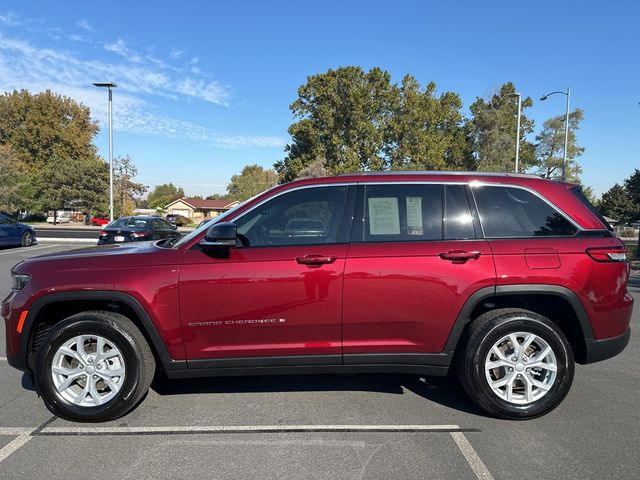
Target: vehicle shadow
[(445, 391)]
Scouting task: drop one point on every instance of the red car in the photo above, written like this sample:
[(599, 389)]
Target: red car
[(509, 279), (99, 221)]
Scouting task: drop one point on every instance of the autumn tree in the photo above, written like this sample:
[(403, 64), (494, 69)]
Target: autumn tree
[(252, 180), (550, 148), (125, 189), (164, 194), (12, 180), (491, 132)]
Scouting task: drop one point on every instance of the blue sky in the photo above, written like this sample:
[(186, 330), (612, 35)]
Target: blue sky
[(204, 87)]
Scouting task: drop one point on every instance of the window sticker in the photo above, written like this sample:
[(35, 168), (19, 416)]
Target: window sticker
[(384, 216), (414, 216)]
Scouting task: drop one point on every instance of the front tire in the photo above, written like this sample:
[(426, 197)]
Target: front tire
[(515, 364), (27, 239), (94, 366)]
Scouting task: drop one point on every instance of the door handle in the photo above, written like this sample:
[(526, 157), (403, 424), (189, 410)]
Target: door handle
[(315, 260), (459, 256)]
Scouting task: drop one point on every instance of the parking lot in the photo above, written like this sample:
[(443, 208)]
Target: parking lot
[(322, 426)]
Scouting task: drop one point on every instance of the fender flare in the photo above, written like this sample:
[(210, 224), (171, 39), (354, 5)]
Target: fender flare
[(147, 325), (522, 289)]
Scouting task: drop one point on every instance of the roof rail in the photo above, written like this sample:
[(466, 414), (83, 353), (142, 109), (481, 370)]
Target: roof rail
[(441, 172)]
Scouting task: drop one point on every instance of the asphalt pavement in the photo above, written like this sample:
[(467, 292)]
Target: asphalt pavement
[(327, 426)]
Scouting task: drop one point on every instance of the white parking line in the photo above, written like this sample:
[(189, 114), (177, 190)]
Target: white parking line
[(27, 250), (244, 428), (478, 467), (15, 444), (3, 359)]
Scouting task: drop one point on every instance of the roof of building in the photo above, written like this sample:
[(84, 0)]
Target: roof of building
[(206, 204)]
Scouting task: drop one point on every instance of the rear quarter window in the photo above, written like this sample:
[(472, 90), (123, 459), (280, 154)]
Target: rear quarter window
[(509, 212)]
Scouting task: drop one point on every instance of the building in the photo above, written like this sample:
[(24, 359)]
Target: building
[(197, 210)]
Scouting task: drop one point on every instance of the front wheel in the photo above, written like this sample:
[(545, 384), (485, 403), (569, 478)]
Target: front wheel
[(27, 239), (94, 366), (516, 364)]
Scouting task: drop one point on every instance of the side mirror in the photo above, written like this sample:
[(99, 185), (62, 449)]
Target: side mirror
[(220, 235)]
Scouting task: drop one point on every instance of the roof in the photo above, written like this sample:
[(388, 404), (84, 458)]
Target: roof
[(206, 204), (440, 172)]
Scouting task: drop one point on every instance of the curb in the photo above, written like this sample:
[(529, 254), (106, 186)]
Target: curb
[(67, 240)]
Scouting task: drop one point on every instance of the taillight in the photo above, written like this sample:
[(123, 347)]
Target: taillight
[(608, 254), (138, 234), (103, 233)]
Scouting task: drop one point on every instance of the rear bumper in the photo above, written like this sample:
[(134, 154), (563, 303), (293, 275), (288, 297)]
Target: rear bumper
[(597, 350)]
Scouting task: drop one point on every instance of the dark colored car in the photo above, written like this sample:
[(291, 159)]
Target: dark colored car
[(137, 229), (15, 233), (177, 220), (507, 279)]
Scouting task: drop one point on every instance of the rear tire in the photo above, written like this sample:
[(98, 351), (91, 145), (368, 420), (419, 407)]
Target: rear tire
[(515, 364), (94, 366)]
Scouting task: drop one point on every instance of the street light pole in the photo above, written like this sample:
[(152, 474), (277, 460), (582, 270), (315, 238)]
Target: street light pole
[(518, 128), (566, 126), (110, 86)]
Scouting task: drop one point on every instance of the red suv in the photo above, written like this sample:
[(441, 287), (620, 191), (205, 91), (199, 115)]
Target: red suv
[(506, 279)]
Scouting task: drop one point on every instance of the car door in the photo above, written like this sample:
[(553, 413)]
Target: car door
[(5, 230), (416, 256), (279, 292)]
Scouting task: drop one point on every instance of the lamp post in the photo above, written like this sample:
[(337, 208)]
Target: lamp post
[(109, 86), (566, 126), (516, 94)]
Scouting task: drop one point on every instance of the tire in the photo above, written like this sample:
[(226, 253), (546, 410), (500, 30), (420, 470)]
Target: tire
[(519, 398), (121, 379), (27, 239)]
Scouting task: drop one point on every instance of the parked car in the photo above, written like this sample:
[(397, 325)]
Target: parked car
[(507, 279), (99, 220), (177, 220), (137, 229), (15, 233)]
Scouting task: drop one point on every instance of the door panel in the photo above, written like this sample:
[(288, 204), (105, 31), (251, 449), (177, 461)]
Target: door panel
[(279, 292), (403, 297), (260, 302)]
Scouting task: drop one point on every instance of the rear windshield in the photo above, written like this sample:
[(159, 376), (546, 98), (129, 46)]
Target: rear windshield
[(577, 192), (129, 223)]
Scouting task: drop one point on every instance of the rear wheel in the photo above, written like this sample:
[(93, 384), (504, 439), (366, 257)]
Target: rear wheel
[(516, 364), (93, 367)]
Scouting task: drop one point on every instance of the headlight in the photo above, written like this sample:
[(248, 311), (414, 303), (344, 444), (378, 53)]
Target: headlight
[(18, 281)]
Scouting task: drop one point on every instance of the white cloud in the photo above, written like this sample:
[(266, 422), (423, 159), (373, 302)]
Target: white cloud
[(10, 19), (120, 47), (176, 53), (24, 65), (85, 25)]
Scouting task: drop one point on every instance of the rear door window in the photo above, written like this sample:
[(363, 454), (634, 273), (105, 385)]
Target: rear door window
[(458, 219), (508, 212), (402, 213)]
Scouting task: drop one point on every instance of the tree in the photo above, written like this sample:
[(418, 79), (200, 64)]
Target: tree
[(317, 168), (491, 132), (632, 187), (425, 130), (44, 127), (252, 180), (219, 196), (80, 183), (341, 116), (125, 190), (616, 204), (164, 194), (550, 148), (12, 180)]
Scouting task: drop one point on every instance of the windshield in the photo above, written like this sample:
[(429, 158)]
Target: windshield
[(204, 225), (129, 223)]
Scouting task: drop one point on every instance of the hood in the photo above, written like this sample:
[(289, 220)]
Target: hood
[(128, 255)]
